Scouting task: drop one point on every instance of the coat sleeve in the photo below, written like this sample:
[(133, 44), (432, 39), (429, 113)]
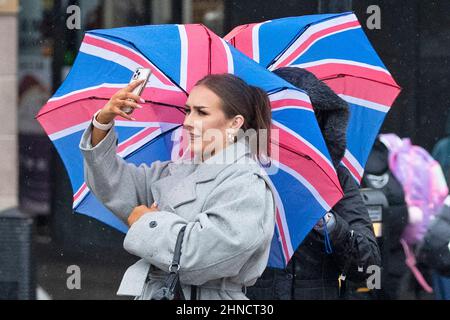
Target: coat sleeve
[(237, 219), (119, 185), (353, 240)]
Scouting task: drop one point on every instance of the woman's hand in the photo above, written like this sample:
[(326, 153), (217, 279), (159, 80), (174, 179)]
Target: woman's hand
[(122, 98), (139, 211)]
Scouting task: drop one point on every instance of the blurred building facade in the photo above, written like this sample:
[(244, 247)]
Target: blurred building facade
[(8, 104)]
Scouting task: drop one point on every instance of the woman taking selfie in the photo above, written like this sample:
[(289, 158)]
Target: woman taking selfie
[(221, 201)]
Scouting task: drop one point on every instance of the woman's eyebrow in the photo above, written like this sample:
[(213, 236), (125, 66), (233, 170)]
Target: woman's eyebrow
[(196, 107)]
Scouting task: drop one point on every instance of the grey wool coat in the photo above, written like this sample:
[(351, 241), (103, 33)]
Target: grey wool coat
[(225, 203)]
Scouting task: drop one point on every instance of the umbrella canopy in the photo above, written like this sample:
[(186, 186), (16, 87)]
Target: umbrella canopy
[(304, 181), (335, 49)]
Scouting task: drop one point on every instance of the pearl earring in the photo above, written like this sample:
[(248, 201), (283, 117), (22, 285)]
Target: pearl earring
[(230, 137)]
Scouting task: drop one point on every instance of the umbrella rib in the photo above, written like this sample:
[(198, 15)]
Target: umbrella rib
[(209, 47), (181, 109), (343, 75), (286, 48)]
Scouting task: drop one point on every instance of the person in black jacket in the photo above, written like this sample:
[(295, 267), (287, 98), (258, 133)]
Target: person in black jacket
[(378, 176), (312, 273), (434, 252)]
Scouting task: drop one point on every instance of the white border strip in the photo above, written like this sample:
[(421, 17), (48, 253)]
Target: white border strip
[(110, 56), (279, 205), (184, 56), (81, 196), (68, 131), (165, 126), (130, 50), (310, 31), (126, 63), (341, 61), (354, 162), (119, 45), (128, 150), (358, 182), (255, 42), (153, 83), (292, 108), (230, 62), (103, 85), (365, 103), (289, 94)]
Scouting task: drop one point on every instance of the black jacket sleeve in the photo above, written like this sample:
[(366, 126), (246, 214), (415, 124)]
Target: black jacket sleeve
[(354, 244)]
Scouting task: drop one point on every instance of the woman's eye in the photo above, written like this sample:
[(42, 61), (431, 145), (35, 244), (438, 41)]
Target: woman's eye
[(187, 110), (202, 113)]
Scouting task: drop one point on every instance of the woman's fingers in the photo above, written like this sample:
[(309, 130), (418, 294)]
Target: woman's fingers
[(129, 96), (117, 109), (133, 86), (126, 116), (131, 104), (124, 98), (132, 96)]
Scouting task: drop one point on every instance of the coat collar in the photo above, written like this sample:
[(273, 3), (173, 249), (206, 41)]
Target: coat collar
[(190, 173), (210, 168)]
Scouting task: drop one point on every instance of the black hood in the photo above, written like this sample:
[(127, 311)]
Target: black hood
[(377, 163), (331, 111)]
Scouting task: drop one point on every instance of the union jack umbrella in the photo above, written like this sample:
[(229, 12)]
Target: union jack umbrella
[(305, 183), (335, 49)]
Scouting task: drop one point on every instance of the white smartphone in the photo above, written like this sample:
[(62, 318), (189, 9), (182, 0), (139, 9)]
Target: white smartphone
[(139, 74)]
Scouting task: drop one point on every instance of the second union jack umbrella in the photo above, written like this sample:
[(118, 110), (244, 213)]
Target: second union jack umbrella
[(306, 185), (335, 49)]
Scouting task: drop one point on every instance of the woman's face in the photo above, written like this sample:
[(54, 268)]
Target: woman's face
[(206, 122)]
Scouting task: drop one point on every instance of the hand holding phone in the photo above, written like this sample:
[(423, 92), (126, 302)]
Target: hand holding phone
[(139, 74)]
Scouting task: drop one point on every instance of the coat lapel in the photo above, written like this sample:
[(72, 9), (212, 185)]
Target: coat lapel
[(209, 169), (184, 192), (189, 174), (178, 184)]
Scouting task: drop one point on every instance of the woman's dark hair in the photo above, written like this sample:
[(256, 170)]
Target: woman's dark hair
[(239, 98)]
